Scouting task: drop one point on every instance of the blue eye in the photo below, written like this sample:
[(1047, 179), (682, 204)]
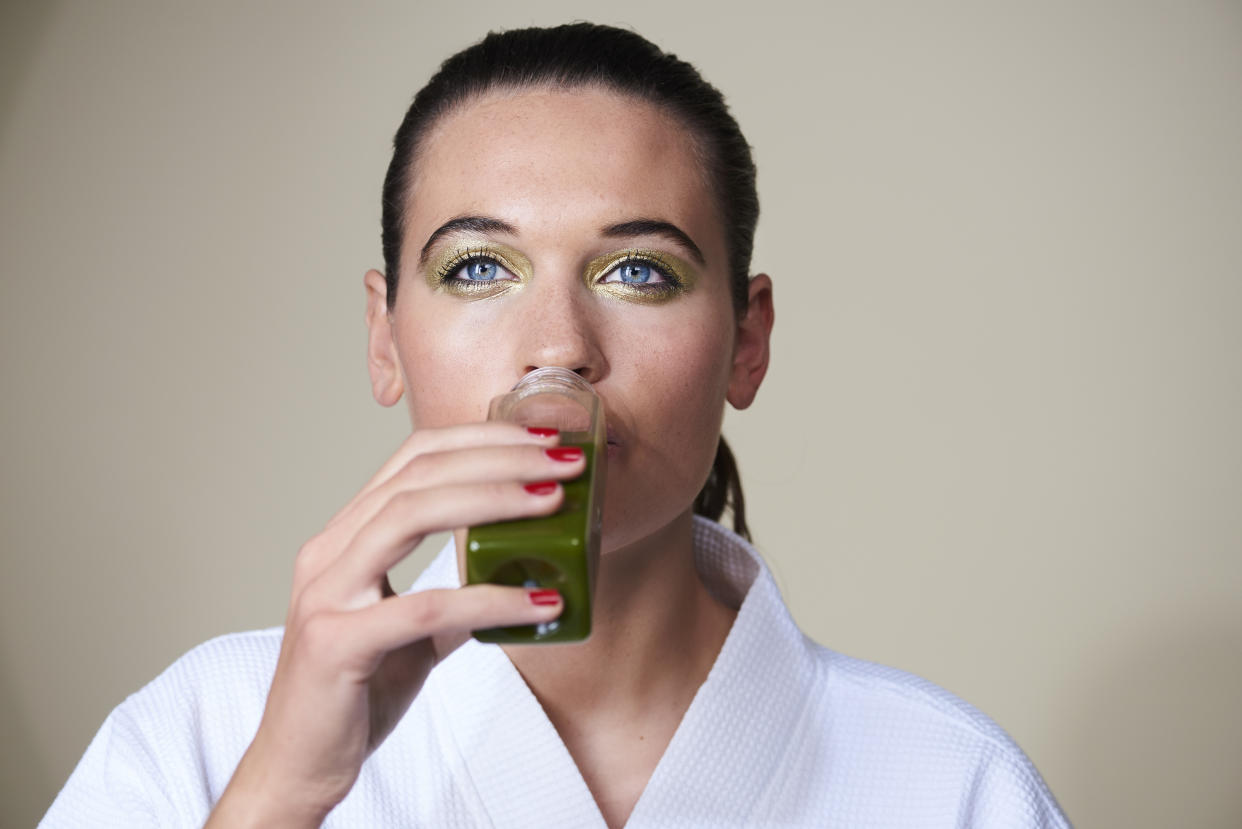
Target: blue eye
[(636, 272), (482, 270), (476, 270)]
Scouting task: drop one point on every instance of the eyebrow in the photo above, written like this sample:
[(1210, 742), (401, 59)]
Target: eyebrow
[(464, 224), (656, 227), (622, 230)]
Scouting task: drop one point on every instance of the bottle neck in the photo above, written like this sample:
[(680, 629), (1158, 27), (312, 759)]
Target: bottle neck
[(553, 377)]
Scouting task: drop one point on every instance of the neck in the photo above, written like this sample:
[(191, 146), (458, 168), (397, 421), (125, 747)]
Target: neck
[(656, 632)]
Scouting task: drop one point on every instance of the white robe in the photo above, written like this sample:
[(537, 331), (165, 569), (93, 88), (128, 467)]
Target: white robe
[(783, 732)]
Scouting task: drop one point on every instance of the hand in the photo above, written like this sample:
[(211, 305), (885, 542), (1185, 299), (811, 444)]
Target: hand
[(354, 653)]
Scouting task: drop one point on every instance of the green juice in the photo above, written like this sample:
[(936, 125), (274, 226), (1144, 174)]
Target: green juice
[(560, 551)]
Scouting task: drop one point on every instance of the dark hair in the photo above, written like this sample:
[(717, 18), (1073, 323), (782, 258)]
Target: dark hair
[(586, 54)]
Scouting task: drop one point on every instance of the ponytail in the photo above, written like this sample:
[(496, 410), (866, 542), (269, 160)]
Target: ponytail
[(723, 489)]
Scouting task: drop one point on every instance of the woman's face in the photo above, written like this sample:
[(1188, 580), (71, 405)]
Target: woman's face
[(570, 228)]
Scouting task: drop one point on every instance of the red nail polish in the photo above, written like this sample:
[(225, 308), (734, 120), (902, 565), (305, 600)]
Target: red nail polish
[(544, 597), (541, 487), (539, 431), (564, 453)]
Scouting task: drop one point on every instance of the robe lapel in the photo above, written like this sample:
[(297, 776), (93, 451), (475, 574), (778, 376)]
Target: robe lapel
[(723, 761)]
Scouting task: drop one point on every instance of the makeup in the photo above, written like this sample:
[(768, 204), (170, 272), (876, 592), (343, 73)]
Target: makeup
[(444, 267), (455, 268), (668, 276)]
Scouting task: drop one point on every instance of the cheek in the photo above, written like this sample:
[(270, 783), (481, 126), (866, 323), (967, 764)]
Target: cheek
[(678, 402), (447, 374), (684, 391)]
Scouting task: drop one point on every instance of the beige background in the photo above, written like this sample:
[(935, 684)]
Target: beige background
[(998, 446)]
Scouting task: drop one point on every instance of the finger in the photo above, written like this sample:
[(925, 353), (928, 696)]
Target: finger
[(482, 464), (410, 515), (449, 615), (324, 548), (423, 441)]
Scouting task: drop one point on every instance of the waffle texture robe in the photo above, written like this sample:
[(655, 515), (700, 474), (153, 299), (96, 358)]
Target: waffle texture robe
[(783, 732)]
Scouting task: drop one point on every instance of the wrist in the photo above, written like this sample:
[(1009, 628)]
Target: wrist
[(255, 798)]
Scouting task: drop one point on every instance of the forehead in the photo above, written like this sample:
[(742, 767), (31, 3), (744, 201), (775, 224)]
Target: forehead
[(551, 158)]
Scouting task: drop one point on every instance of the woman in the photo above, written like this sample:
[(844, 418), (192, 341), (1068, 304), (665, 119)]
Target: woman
[(570, 197)]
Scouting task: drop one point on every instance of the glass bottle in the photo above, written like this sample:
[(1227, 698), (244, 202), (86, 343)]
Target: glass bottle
[(561, 550)]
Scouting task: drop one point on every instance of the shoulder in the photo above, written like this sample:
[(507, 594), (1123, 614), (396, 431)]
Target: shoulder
[(211, 696), (165, 754), (888, 694), (234, 662), (919, 748), (209, 701), (860, 744)]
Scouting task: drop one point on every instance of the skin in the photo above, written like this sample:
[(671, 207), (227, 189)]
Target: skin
[(557, 167)]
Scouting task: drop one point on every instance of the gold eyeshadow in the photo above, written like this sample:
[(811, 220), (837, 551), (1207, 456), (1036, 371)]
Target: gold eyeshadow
[(679, 276), (444, 263)]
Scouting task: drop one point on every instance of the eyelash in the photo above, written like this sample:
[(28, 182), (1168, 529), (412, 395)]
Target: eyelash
[(472, 256), (468, 257), (670, 284)]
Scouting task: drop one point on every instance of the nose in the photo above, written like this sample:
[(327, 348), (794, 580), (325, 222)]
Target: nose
[(561, 328)]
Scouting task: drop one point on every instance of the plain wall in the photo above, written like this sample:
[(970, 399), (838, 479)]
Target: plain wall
[(998, 445)]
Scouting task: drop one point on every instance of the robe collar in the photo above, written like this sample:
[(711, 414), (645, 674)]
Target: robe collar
[(723, 761)]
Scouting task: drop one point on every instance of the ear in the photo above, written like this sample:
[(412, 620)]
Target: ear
[(387, 382), (751, 349)]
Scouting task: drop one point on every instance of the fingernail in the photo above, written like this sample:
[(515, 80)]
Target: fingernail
[(541, 487), (539, 431), (564, 453), (544, 597)]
